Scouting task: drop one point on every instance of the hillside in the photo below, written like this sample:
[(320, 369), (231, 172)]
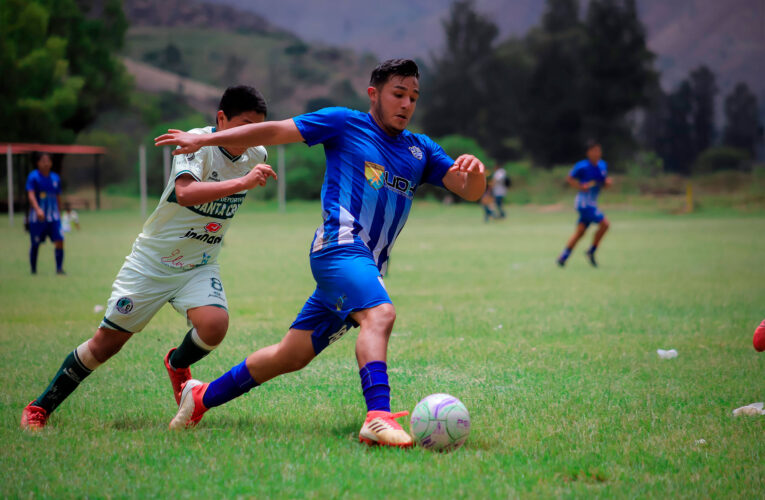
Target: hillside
[(727, 36)]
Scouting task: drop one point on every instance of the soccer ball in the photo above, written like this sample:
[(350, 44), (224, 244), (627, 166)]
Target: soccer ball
[(440, 422)]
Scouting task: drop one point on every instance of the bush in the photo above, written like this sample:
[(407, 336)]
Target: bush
[(722, 158)]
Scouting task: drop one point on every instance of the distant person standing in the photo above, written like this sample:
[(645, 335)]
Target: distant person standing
[(500, 181), (44, 191), (69, 218), (588, 176)]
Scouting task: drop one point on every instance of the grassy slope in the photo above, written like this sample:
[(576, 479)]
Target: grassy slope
[(558, 367)]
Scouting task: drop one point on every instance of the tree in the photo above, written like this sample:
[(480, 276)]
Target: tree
[(742, 126), (457, 95), (676, 145), (552, 116), (58, 66), (703, 92), (618, 70)]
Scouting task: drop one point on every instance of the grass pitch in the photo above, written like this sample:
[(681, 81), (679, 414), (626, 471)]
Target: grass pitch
[(558, 367)]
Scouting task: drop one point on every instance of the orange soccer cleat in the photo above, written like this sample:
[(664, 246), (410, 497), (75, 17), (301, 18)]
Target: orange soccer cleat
[(381, 428), (178, 377), (191, 408), (33, 418)]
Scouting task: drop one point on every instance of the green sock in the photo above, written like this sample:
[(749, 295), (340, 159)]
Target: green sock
[(191, 350), (64, 382)]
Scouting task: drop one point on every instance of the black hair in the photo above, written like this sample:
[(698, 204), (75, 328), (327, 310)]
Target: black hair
[(241, 99), (393, 67), (591, 143), (37, 155)]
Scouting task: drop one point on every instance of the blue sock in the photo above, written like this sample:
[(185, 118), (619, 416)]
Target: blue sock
[(592, 249), (565, 254), (374, 384), (59, 258), (33, 257), (230, 385)]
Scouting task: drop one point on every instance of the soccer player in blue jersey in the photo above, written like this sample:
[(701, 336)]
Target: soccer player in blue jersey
[(588, 176), (374, 167), (44, 192)]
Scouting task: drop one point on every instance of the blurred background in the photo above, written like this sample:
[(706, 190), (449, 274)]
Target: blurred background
[(675, 91)]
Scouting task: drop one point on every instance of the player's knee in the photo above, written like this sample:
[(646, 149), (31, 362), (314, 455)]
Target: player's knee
[(605, 224), (383, 315), (212, 328)]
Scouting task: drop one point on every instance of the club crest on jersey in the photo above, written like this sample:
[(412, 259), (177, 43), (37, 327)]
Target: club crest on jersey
[(213, 227), (124, 305), (378, 177), (416, 152), (189, 156), (374, 174)]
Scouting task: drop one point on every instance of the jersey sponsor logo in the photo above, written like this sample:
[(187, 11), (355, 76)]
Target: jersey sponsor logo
[(416, 152), (224, 208), (378, 177), (213, 227), (203, 237), (124, 305)]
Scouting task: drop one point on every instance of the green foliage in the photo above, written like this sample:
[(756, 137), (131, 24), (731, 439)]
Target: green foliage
[(456, 145), (304, 168), (742, 125), (722, 158), (58, 67)]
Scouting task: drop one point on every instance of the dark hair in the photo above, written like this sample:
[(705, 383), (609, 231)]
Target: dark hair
[(393, 67), (240, 99), (37, 156), (591, 143)]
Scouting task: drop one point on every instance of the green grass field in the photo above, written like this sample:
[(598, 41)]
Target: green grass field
[(558, 367)]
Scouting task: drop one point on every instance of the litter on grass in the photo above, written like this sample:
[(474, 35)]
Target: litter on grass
[(98, 308), (752, 409), (666, 354)]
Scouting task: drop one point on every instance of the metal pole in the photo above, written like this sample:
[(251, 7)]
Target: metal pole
[(97, 181), (9, 165), (166, 162), (142, 177), (281, 183)]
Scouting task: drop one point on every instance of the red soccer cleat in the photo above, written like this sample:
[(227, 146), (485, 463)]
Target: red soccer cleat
[(381, 428), (33, 418), (759, 337), (191, 408), (178, 377)]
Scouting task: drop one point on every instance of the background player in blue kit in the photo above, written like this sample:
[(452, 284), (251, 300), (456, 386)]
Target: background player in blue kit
[(44, 192), (374, 166), (588, 176)]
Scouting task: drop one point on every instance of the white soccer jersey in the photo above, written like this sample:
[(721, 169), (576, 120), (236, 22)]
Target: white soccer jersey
[(183, 238)]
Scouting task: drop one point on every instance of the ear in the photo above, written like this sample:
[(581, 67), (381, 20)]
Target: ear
[(373, 94), (220, 120)]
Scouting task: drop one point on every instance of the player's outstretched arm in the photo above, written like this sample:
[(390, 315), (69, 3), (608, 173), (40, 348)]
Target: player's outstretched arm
[(190, 191), (581, 186), (244, 136), (466, 178)]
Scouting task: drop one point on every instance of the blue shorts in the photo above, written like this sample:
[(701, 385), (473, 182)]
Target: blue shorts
[(38, 231), (347, 280), (588, 215)]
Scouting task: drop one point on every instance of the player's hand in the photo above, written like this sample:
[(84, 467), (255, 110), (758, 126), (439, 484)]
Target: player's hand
[(40, 213), (258, 176), (468, 164), (586, 185), (608, 182), (187, 143)]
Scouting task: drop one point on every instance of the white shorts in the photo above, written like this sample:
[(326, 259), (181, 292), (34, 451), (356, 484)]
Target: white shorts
[(138, 295)]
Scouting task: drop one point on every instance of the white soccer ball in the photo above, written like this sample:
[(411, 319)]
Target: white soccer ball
[(440, 422)]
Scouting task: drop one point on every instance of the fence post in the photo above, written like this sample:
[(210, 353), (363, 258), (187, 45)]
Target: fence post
[(9, 165), (282, 181), (142, 177)]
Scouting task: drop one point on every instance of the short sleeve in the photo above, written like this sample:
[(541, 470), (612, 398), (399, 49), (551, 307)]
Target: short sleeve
[(321, 126), (192, 164), (603, 169), (31, 182), (576, 171), (438, 162), (57, 185)]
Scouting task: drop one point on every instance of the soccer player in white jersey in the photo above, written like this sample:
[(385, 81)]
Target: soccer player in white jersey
[(174, 258), (374, 166)]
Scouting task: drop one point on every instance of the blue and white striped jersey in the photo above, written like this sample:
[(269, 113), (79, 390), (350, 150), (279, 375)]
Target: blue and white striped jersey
[(370, 178), (584, 172), (46, 189)]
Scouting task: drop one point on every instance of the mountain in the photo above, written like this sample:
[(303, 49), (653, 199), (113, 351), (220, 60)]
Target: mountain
[(727, 36)]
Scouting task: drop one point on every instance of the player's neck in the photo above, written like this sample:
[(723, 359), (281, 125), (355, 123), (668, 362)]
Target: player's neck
[(388, 131)]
